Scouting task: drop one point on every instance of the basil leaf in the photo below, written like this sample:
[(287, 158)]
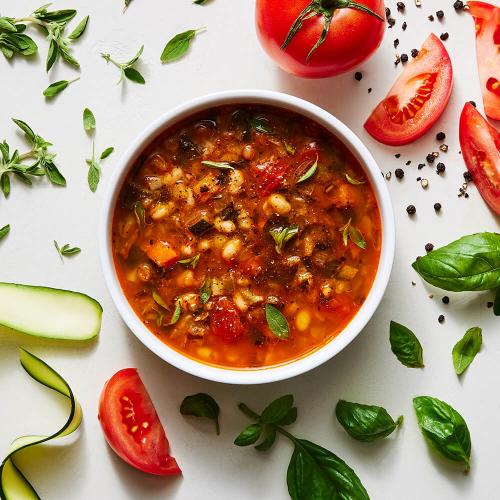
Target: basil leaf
[(353, 181), (249, 436), (356, 237), (7, 25), (444, 429), (106, 153), (465, 349), (468, 264), (201, 405), (192, 262), (277, 410), (89, 122), (406, 346), (365, 423), (310, 172), (317, 473), (206, 291), (277, 322), (80, 29), (268, 441), (134, 76), (496, 304), (177, 313), (178, 45), (290, 417), (4, 231), (218, 164)]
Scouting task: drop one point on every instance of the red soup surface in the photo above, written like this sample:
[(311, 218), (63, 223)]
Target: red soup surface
[(246, 236)]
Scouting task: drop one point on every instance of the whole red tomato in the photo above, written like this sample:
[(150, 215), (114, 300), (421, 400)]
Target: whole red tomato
[(319, 38)]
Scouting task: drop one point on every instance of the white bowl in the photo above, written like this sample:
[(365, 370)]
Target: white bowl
[(316, 357)]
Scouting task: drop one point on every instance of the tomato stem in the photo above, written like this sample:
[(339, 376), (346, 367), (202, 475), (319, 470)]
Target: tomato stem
[(326, 9)]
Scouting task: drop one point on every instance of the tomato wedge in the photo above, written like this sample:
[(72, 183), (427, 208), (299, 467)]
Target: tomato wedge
[(480, 144), (417, 99), (131, 425), (487, 21)]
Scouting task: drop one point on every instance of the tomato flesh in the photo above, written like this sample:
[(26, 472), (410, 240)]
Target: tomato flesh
[(417, 99), (270, 175), (225, 321), (352, 38), (487, 22), (480, 144), (131, 425)]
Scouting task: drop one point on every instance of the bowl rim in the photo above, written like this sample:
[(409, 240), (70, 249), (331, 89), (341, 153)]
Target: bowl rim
[(318, 356)]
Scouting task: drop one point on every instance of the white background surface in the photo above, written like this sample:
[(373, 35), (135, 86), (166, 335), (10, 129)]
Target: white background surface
[(228, 56)]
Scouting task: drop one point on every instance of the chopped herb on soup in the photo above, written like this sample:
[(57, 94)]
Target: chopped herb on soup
[(244, 230)]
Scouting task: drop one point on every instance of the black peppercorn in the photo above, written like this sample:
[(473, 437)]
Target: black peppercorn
[(399, 173), (431, 18), (408, 162), (458, 5), (387, 12), (411, 209), (440, 14), (404, 26), (397, 155), (440, 136), (404, 58), (437, 207), (414, 52), (441, 318), (400, 6), (468, 176), (358, 75), (446, 299), (429, 247), (396, 43), (440, 168), (421, 166), (370, 90), (430, 158), (391, 22), (444, 36)]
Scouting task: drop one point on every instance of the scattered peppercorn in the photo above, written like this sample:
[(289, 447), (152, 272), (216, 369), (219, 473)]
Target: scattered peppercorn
[(400, 6), (431, 18), (411, 209), (444, 148), (399, 173), (489, 305), (369, 90), (458, 5), (404, 58), (437, 207), (396, 43), (440, 136), (444, 36), (408, 162), (397, 155), (441, 318), (468, 176), (391, 22), (430, 158), (387, 12), (414, 52), (440, 167), (419, 179), (358, 76), (404, 26), (421, 166), (429, 247), (446, 299), (440, 14), (473, 103)]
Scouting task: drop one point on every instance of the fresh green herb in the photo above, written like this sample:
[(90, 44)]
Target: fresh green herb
[(157, 298), (365, 422), (4, 231), (206, 291), (126, 69), (496, 303), (66, 250), (202, 405), (179, 45), (277, 322), (406, 346), (349, 232), (16, 164), (140, 214), (13, 483), (177, 312), (314, 472), (57, 87), (310, 172), (94, 174), (353, 181), (127, 3), (260, 124), (470, 263), (53, 24), (200, 2), (89, 122), (218, 164), (282, 235), (290, 149), (191, 262), (465, 349), (444, 429)]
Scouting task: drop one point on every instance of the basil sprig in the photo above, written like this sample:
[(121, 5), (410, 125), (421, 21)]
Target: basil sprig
[(444, 429), (406, 346), (314, 472), (179, 45), (277, 322), (365, 423), (468, 264), (466, 348), (201, 405)]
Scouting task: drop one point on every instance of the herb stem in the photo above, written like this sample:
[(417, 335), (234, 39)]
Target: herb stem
[(29, 154), (248, 412)]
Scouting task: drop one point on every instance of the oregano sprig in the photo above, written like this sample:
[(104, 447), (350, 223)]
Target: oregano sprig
[(94, 174), (126, 68), (66, 250), (57, 87)]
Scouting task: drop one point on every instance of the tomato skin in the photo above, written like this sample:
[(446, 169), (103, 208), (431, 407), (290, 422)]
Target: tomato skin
[(398, 120), (487, 23), (124, 405), (270, 175), (352, 38), (225, 320), (480, 144)]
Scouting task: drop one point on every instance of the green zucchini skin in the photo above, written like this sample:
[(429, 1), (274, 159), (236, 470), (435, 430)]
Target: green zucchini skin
[(49, 312)]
